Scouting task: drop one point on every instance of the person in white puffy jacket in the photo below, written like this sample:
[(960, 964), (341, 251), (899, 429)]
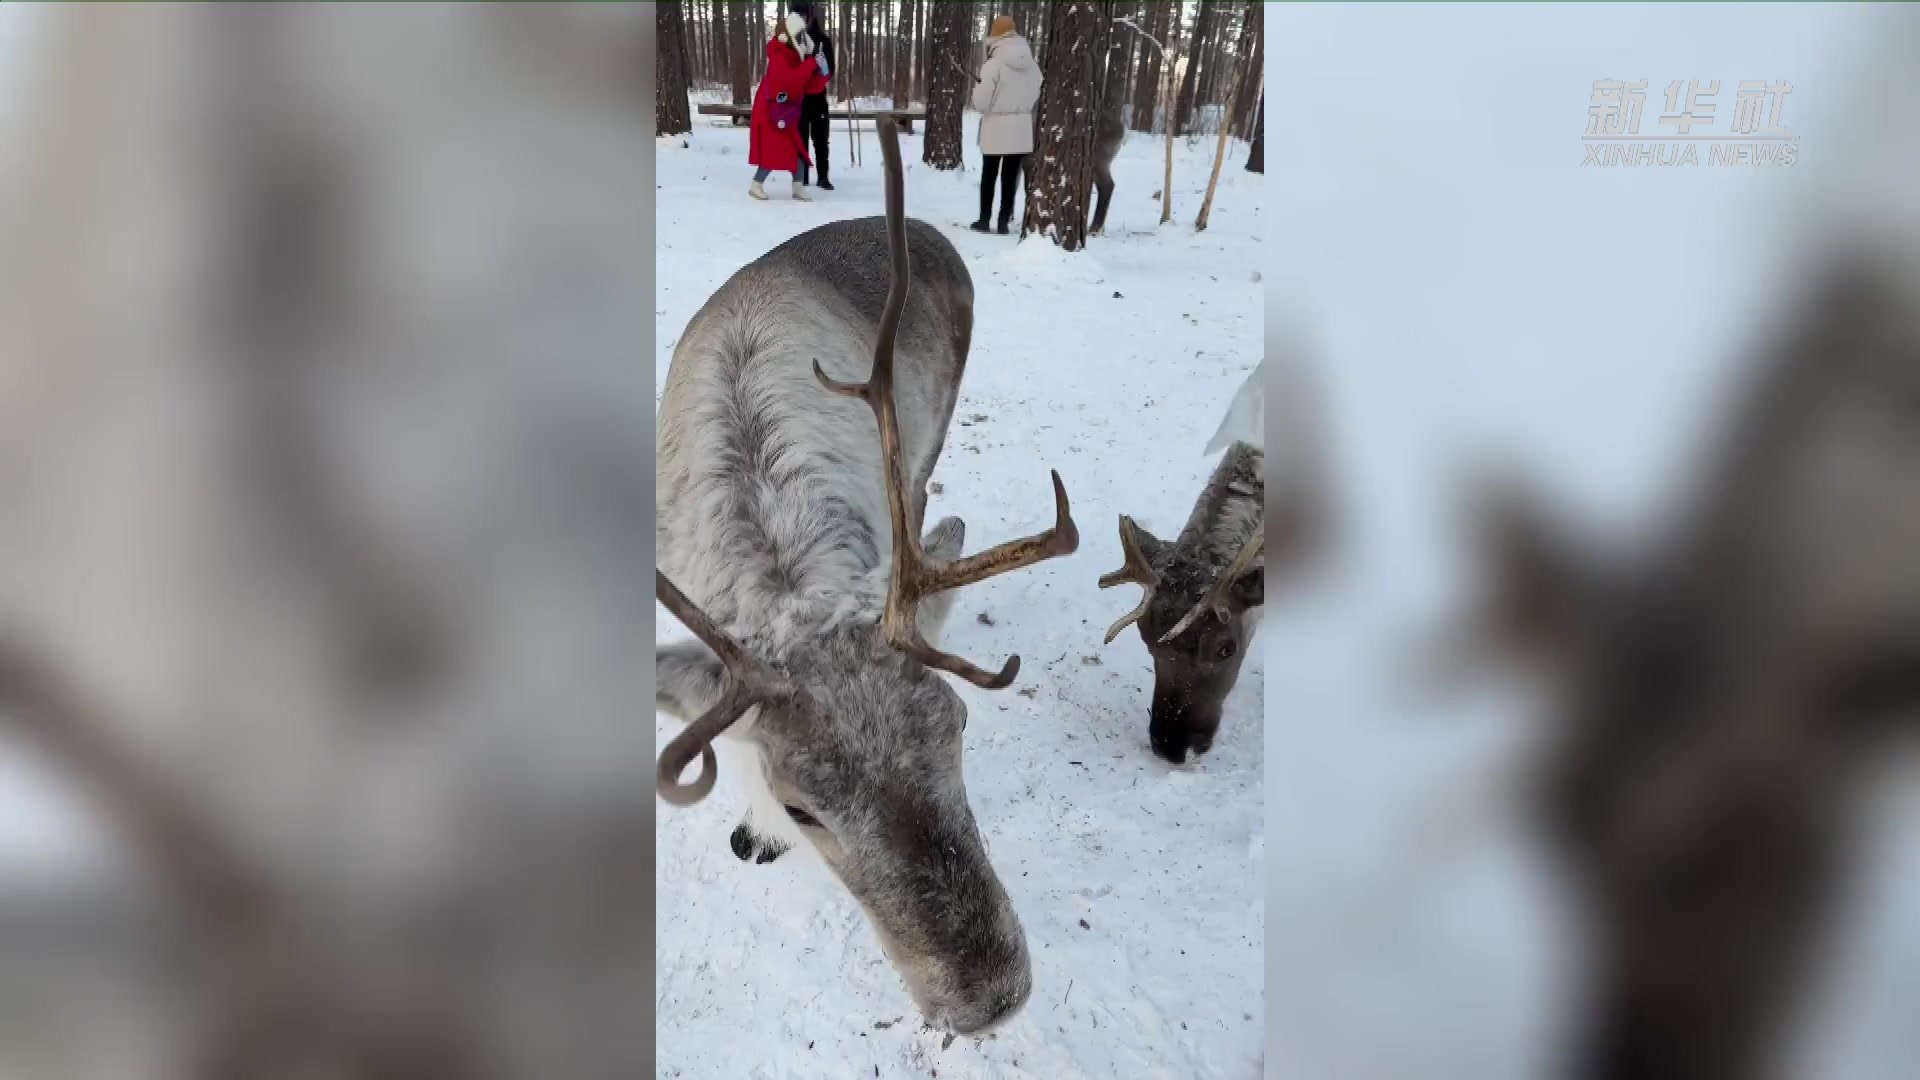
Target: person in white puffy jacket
[(1005, 96)]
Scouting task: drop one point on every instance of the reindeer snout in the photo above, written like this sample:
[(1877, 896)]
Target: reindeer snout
[(1177, 731), (995, 1003)]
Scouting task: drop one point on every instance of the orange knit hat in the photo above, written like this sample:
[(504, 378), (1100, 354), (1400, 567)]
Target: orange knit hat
[(1002, 27)]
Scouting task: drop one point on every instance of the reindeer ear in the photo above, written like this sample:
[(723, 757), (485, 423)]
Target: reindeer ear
[(687, 679), (1249, 590)]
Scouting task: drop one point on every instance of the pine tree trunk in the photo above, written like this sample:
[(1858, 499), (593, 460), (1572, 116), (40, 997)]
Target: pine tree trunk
[(947, 87), (1257, 156), (1146, 86), (920, 51), (1189, 84), (1119, 42), (738, 71), (1249, 97), (902, 55), (1060, 183), (671, 113)]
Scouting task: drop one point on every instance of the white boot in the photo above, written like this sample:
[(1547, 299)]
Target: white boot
[(800, 191), (757, 191)]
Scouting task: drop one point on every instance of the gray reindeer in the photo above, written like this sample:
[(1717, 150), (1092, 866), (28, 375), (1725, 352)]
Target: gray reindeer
[(789, 510), (1722, 697)]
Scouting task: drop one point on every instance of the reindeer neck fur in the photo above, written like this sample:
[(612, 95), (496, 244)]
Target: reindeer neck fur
[(771, 506), (1227, 514)]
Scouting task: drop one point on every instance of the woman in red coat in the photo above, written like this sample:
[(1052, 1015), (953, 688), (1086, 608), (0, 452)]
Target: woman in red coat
[(776, 141)]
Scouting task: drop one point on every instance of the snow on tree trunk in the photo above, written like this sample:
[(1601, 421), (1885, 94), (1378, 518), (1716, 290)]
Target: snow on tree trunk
[(671, 113), (1060, 182), (947, 86)]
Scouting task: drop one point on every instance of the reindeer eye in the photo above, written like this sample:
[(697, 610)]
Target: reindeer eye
[(1225, 650), (801, 817)]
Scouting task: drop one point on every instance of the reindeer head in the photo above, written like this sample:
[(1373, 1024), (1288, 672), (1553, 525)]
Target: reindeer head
[(861, 740), (1193, 619), (1717, 699)]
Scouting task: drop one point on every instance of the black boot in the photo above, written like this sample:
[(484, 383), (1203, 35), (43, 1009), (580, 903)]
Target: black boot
[(981, 226), (1003, 225), (824, 185)]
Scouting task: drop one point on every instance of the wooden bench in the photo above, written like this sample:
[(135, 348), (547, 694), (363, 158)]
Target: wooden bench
[(740, 114)]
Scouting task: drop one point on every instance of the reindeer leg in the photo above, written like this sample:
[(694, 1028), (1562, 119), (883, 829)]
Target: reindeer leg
[(1103, 187)]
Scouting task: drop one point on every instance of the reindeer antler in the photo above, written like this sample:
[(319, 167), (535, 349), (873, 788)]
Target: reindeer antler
[(748, 683), (1134, 569), (1216, 598), (917, 575)]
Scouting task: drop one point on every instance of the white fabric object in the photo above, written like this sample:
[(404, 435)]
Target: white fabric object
[(1005, 96), (797, 35), (1246, 419)]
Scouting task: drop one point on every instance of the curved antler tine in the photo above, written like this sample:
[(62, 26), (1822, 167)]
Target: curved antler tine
[(953, 665), (1134, 567), (850, 389), (1131, 617), (1064, 537), (697, 740), (673, 762), (748, 684), (1134, 570)]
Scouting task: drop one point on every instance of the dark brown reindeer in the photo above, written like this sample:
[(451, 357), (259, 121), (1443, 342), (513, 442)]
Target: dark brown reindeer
[(789, 510), (1108, 137), (1203, 592), (1721, 696), (1201, 599)]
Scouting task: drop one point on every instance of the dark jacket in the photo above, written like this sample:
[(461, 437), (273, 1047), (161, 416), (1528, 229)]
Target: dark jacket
[(816, 104)]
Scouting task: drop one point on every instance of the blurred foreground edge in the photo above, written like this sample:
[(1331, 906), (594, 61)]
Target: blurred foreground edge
[(1723, 701), (326, 462)]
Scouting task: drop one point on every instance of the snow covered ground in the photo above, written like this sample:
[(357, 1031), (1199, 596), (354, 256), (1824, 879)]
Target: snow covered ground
[(1478, 295), (1140, 885)]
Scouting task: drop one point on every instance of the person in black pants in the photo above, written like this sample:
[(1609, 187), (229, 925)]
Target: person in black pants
[(1008, 168), (814, 123), (1005, 94)]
